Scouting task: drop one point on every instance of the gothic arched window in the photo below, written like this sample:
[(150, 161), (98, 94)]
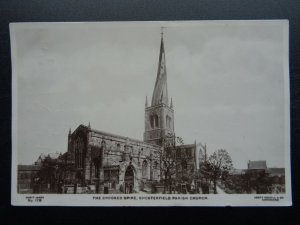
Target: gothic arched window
[(155, 172), (151, 121), (79, 152), (96, 168), (156, 123), (168, 121), (155, 166), (103, 146), (144, 169)]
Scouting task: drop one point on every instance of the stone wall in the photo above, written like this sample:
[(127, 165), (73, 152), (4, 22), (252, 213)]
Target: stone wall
[(165, 123), (104, 151)]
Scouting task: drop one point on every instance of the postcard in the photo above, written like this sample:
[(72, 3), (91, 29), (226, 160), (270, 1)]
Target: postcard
[(168, 113)]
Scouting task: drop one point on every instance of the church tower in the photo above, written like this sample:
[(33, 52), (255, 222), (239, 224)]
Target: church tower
[(159, 116)]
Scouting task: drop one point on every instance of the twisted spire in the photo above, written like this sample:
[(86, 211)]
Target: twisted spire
[(160, 92)]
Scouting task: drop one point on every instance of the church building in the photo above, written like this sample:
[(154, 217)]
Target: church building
[(125, 165)]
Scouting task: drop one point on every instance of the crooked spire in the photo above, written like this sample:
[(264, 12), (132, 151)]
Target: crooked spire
[(160, 92)]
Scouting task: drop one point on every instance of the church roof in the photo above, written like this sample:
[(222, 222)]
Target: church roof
[(99, 132), (186, 146), (160, 92)]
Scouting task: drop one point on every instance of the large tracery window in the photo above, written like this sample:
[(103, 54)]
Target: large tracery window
[(79, 152)]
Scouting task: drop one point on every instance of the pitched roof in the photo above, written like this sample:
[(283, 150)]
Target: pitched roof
[(186, 146), (28, 167), (103, 133), (256, 165), (237, 172), (54, 155)]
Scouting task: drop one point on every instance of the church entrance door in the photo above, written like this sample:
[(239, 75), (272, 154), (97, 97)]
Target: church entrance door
[(129, 180)]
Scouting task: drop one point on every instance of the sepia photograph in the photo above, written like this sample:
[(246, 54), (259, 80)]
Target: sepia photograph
[(168, 113)]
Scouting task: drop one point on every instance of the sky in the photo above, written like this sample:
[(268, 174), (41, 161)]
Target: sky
[(226, 79)]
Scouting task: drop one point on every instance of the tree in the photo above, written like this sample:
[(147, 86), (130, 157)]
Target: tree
[(168, 160), (47, 174), (204, 168), (259, 181), (52, 173), (219, 164)]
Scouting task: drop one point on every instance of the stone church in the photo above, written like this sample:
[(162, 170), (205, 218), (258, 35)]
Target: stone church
[(125, 165)]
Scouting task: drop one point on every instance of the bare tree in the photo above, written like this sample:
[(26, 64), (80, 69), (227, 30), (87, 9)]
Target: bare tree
[(168, 160), (219, 165), (204, 169), (53, 174)]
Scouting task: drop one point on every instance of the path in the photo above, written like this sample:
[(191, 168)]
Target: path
[(220, 191)]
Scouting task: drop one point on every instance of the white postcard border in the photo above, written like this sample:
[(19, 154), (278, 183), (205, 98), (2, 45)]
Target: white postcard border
[(103, 199)]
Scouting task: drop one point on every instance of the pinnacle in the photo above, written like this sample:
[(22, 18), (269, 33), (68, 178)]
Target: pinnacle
[(146, 103)]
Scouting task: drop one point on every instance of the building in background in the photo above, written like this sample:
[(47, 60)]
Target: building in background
[(265, 180), (257, 178), (26, 176)]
